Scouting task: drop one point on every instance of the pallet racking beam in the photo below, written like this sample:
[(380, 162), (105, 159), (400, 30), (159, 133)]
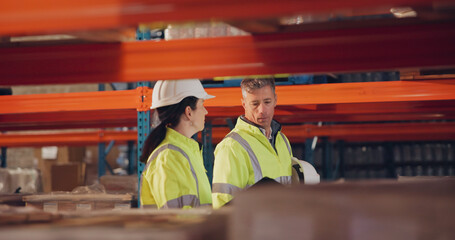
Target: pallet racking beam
[(336, 93), (28, 16), (324, 51), (66, 138), (360, 112), (374, 132), (309, 96), (69, 120), (436, 131), (345, 102), (64, 102)]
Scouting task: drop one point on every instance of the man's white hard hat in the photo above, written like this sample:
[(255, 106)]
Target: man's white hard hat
[(170, 92)]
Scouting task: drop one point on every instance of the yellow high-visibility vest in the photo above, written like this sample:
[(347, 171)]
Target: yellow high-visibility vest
[(175, 176), (244, 157)]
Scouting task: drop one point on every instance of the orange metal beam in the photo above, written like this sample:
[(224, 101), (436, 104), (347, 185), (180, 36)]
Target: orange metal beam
[(64, 102), (315, 117), (351, 112), (296, 134), (28, 16), (364, 132), (348, 112), (292, 95), (365, 92), (344, 50), (339, 131), (69, 120), (67, 138)]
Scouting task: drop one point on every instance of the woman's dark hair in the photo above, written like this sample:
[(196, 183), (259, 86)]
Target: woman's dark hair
[(169, 116)]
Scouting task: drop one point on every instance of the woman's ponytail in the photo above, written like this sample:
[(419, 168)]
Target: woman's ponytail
[(169, 116), (154, 139)]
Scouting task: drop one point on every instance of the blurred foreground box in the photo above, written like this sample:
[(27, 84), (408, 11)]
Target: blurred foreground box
[(172, 224), (352, 210)]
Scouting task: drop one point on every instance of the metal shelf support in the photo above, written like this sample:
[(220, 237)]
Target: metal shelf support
[(3, 157), (339, 161), (309, 151), (327, 172), (131, 161), (102, 163), (101, 160), (389, 160), (143, 130), (341, 166), (230, 123), (207, 150)]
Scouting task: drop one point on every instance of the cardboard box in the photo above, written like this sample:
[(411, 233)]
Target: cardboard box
[(66, 176), (120, 184)]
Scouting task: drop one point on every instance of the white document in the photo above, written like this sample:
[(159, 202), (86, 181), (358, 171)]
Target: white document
[(49, 152)]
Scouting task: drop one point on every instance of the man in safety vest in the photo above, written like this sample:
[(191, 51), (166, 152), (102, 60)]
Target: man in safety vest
[(256, 148)]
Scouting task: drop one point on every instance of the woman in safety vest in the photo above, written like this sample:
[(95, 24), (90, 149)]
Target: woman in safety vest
[(174, 175)]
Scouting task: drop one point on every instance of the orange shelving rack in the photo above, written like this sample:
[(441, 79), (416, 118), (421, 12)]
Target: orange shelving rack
[(317, 48)]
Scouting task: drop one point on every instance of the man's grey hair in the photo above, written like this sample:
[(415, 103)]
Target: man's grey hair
[(250, 84)]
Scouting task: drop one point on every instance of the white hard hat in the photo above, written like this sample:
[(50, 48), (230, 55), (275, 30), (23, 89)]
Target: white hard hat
[(310, 176), (170, 92)]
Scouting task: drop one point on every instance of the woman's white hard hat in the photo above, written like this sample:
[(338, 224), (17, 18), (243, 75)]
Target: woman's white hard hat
[(170, 92)]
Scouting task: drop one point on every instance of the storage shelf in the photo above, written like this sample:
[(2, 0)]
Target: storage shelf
[(423, 42), (344, 102)]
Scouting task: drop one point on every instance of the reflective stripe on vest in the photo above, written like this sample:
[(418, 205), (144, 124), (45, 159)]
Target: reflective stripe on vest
[(186, 200), (225, 188), (287, 144), (284, 179), (173, 147), (254, 162), (150, 206), (180, 202)]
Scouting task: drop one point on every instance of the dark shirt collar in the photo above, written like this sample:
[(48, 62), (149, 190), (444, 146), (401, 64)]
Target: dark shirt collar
[(276, 126)]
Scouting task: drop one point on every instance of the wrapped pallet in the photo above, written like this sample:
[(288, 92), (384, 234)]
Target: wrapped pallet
[(21, 180), (4, 181), (55, 202)]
